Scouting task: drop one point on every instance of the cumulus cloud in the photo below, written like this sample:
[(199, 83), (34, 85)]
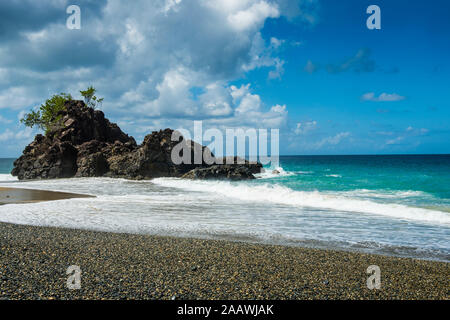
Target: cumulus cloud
[(384, 97), (253, 16), (146, 58)]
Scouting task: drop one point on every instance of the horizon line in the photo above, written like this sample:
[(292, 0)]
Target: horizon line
[(335, 155)]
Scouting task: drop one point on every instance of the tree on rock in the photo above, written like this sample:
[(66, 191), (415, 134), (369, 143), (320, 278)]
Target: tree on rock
[(90, 99), (47, 118)]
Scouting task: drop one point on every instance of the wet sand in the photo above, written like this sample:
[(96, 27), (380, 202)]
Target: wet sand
[(34, 261), (18, 195)]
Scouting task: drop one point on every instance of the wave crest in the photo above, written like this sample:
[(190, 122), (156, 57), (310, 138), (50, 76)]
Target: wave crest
[(313, 199)]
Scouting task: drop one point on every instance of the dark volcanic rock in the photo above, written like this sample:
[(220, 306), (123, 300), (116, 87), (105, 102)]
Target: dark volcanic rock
[(153, 158), (46, 159), (86, 144), (228, 172), (74, 148), (81, 124), (255, 167)]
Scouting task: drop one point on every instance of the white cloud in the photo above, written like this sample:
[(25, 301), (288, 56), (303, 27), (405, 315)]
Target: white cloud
[(395, 140), (6, 135), (279, 70), (17, 97), (370, 96), (410, 132), (276, 43), (334, 140), (21, 135), (253, 16), (146, 58), (171, 5), (305, 127)]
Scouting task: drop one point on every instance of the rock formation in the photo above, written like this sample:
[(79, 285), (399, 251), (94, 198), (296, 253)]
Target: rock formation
[(229, 172), (86, 144)]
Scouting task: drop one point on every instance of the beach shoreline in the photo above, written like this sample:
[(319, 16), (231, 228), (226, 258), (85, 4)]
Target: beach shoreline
[(34, 260), (20, 195)]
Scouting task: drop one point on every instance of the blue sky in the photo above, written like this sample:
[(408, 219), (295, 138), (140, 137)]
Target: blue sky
[(311, 68)]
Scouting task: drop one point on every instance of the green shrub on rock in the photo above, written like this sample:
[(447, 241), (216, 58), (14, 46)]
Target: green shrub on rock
[(47, 118)]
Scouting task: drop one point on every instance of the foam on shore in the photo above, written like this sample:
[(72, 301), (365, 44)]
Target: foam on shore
[(278, 194)]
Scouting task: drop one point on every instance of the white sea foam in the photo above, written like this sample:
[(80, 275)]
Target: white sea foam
[(334, 175), (282, 195), (303, 172), (270, 173), (7, 178), (387, 194), (242, 211)]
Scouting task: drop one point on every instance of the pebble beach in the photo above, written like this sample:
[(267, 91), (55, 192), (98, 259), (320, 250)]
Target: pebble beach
[(34, 261)]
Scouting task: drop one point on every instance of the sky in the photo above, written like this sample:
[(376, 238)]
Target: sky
[(310, 68)]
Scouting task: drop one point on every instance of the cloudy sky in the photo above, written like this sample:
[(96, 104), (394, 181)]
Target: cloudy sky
[(308, 67)]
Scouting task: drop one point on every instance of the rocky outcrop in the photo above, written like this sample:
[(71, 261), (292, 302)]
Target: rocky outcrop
[(228, 172), (46, 159), (76, 147), (153, 158), (86, 144), (254, 167)]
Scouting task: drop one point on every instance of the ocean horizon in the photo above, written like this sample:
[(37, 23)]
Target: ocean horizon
[(396, 205)]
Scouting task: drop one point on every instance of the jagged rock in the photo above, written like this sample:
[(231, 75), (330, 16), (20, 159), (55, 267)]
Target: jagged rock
[(85, 144), (228, 172), (153, 158), (81, 124), (46, 159), (73, 148), (255, 167)]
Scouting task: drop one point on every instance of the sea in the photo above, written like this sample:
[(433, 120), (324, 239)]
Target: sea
[(395, 205)]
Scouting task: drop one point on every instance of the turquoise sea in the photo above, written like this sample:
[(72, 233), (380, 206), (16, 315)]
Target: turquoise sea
[(395, 205), (415, 180), (6, 165)]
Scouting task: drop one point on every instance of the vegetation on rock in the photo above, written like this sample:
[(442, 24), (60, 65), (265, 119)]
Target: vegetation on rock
[(90, 99), (47, 118), (49, 115)]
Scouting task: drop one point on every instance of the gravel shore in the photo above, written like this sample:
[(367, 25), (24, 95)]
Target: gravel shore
[(34, 260)]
